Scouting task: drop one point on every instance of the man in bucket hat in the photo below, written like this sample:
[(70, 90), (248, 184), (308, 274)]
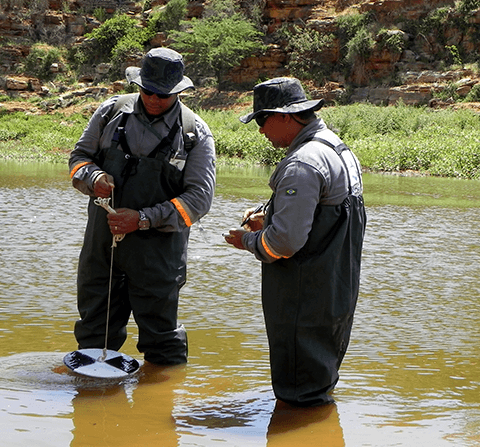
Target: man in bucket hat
[(160, 180), (309, 240)]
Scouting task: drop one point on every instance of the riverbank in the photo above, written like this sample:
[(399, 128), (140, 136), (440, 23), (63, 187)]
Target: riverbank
[(395, 139)]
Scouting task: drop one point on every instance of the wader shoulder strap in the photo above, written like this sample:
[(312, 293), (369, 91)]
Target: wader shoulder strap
[(166, 141), (339, 149), (119, 135)]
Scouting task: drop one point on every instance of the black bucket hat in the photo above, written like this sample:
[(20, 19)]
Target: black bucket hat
[(281, 95), (161, 72)]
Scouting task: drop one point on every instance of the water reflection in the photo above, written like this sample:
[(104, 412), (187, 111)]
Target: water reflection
[(321, 424), (411, 375), (106, 416)]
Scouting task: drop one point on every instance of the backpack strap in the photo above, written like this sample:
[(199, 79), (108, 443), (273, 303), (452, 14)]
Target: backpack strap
[(120, 102), (188, 127)]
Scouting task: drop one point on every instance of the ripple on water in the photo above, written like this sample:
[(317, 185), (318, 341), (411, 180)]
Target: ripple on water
[(34, 371)]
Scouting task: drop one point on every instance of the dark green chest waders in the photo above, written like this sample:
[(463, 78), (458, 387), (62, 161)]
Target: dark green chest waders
[(149, 266), (309, 301)]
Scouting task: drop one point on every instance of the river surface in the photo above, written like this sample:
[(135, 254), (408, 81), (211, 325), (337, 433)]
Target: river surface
[(411, 376)]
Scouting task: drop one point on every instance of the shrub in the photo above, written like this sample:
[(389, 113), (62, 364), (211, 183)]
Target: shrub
[(454, 54), (115, 41), (349, 25), (473, 94), (39, 61), (392, 41), (306, 49), (100, 14), (105, 38), (359, 47), (169, 18), (357, 42), (217, 42), (450, 91)]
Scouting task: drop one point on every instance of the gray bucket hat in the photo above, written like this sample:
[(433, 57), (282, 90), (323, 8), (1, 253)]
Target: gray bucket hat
[(281, 95), (161, 72)]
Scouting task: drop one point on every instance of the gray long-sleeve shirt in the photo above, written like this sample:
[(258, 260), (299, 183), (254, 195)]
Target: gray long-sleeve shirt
[(143, 136), (310, 174)]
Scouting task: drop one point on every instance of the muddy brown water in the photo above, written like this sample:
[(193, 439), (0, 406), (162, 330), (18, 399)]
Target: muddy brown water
[(411, 375)]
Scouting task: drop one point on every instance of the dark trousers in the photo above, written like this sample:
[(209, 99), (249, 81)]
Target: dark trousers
[(148, 271)]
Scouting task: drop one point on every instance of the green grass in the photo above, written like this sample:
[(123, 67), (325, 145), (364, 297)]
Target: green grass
[(437, 142), (239, 142), (47, 138), (434, 142)]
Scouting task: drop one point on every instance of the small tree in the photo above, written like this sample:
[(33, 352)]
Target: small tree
[(306, 49), (116, 41), (357, 39), (40, 59), (218, 41), (106, 37), (170, 17)]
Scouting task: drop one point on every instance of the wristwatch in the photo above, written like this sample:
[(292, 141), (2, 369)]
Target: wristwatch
[(144, 222)]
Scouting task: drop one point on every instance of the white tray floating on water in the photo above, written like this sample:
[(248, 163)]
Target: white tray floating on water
[(90, 362)]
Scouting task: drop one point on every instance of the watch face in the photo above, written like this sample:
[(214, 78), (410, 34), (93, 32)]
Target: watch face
[(143, 223)]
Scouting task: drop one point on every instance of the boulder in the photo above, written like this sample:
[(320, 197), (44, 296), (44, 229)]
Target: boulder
[(16, 83)]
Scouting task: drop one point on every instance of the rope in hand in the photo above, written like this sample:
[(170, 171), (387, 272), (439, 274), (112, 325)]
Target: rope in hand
[(104, 203)]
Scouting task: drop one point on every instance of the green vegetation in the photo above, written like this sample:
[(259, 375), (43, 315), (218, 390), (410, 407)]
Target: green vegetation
[(220, 40), (170, 17), (237, 141), (113, 42), (306, 48), (435, 142), (440, 21), (39, 137), (211, 45), (40, 59), (356, 33), (230, 30)]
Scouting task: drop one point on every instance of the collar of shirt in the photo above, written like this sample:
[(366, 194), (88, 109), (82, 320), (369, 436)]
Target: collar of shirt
[(308, 131), (168, 118)]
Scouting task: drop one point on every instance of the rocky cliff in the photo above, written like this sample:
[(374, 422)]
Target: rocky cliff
[(413, 74)]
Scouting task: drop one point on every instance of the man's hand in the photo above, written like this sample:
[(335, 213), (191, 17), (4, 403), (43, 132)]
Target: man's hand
[(234, 237), (123, 221), (103, 185), (254, 220)]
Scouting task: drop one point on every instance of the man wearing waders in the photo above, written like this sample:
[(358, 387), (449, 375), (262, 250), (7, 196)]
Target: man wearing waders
[(309, 240), (161, 180)]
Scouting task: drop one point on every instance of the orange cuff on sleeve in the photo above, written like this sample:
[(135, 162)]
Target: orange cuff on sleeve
[(182, 211), (77, 167), (267, 249)]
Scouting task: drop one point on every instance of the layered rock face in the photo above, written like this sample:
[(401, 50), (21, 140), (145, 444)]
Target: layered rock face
[(384, 76)]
